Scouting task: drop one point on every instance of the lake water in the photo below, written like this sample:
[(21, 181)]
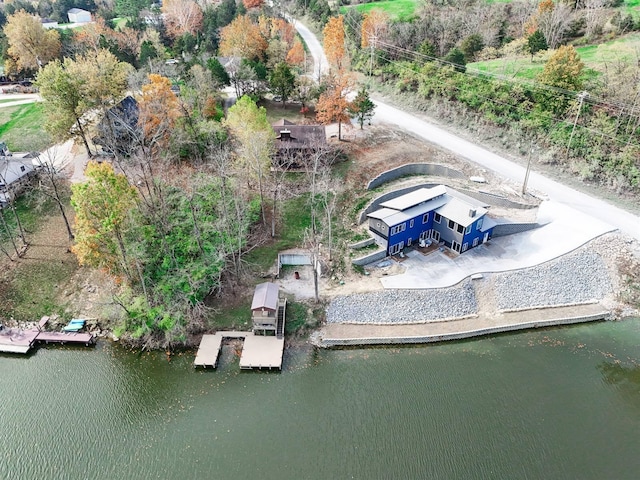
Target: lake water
[(559, 403)]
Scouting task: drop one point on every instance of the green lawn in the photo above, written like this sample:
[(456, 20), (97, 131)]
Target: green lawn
[(595, 58), (21, 128), (290, 233), (397, 9)]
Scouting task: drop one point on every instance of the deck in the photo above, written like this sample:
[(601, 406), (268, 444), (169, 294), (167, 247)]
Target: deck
[(257, 352), (13, 340)]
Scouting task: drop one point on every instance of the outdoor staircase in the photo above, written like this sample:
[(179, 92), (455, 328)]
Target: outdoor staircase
[(280, 323)]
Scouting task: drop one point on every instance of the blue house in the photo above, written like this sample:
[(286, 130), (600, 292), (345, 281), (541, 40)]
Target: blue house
[(437, 214)]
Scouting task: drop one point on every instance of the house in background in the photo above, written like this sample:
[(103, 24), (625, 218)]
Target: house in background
[(48, 23), (437, 214), (295, 144), (118, 130), (78, 15), (267, 310), (16, 173)]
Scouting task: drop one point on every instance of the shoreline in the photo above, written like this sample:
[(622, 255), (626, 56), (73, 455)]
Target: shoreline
[(584, 285)]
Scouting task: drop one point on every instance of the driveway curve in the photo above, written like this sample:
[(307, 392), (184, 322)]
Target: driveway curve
[(588, 205)]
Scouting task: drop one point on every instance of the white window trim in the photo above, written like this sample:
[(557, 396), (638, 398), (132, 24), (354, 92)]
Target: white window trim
[(425, 218), (468, 229), (479, 224), (437, 217)]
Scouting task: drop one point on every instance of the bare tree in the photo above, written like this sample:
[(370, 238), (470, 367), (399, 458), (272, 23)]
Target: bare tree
[(53, 185)]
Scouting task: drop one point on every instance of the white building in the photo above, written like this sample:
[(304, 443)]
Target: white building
[(78, 15)]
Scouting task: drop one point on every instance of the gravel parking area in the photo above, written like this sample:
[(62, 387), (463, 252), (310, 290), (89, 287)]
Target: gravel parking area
[(577, 278), (404, 306)]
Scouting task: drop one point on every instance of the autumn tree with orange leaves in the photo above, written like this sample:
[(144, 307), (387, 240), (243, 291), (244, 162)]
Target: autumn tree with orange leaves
[(296, 56), (159, 109), (334, 46), (332, 106), (181, 16), (242, 38), (249, 4)]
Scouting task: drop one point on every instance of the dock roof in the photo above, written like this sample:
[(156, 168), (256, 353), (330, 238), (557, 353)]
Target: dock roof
[(265, 296)]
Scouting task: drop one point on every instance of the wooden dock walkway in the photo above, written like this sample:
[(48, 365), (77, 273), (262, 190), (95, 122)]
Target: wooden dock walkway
[(258, 351), (13, 340)]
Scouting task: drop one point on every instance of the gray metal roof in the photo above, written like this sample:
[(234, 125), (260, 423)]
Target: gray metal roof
[(265, 296), (414, 198), (488, 223), (460, 211)]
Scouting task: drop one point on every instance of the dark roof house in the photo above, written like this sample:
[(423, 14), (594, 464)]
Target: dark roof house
[(118, 130), (295, 143)]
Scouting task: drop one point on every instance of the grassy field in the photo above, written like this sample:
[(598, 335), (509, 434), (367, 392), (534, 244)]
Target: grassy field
[(595, 58), (297, 218), (30, 286), (21, 128), (397, 9)]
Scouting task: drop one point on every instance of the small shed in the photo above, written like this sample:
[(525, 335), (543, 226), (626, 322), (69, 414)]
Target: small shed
[(264, 308), (78, 15)]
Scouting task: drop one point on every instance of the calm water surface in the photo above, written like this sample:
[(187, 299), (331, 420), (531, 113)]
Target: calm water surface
[(561, 403)]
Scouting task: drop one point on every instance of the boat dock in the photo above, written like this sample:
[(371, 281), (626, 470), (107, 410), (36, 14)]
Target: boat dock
[(258, 351), (14, 340)]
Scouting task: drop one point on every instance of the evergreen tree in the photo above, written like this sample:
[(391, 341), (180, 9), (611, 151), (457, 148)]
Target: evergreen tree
[(282, 81), (362, 107), (536, 43)]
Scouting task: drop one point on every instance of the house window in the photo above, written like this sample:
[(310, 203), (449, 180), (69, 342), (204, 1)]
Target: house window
[(468, 230), (452, 224), (411, 224), (436, 217), (460, 228), (378, 224), (22, 168), (398, 228), (479, 224), (465, 247), (425, 218), (475, 242)]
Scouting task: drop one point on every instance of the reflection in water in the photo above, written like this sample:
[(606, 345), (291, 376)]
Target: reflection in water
[(525, 405)]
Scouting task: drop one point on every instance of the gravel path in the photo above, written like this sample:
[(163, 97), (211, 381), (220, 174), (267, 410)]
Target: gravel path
[(404, 306), (576, 278)]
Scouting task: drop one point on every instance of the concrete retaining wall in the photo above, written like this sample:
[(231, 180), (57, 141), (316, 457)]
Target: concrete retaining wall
[(341, 342), (373, 257), (414, 169), (504, 229), (496, 200), (362, 244)]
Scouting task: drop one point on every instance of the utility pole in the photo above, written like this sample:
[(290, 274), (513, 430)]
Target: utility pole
[(582, 96), (372, 42), (526, 175)]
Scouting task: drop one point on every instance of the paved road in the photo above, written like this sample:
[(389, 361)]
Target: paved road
[(601, 210)]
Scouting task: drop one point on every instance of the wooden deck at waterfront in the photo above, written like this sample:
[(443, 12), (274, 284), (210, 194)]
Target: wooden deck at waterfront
[(257, 352), (13, 340)]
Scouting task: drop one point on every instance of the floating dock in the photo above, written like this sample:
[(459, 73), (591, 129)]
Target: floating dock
[(258, 351), (13, 340)]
